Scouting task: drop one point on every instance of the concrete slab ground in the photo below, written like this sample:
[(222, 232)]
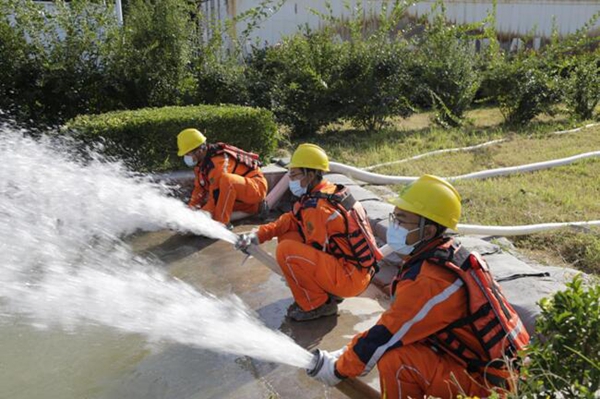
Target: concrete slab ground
[(216, 267), (102, 363)]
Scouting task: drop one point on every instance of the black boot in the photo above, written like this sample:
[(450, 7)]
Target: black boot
[(336, 299), (296, 313)]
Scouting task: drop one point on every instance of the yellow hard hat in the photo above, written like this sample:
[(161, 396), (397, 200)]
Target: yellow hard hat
[(310, 156), (433, 198), (188, 140)]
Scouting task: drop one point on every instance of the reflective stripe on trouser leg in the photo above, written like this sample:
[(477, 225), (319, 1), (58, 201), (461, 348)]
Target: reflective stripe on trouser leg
[(311, 274), (417, 371), (234, 188)]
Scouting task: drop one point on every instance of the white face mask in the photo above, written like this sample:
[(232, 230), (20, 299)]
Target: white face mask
[(189, 161), (396, 238), (296, 188)]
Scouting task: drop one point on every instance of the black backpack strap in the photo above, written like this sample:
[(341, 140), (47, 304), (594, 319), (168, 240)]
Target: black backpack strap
[(341, 197), (212, 150), (347, 201), (456, 254)]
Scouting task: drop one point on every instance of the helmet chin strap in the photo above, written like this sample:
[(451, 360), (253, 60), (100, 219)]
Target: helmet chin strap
[(421, 233), (310, 185), (201, 149), (421, 228)]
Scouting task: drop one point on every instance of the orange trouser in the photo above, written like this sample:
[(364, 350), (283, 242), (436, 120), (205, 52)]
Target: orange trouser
[(311, 273), (416, 371), (247, 191)]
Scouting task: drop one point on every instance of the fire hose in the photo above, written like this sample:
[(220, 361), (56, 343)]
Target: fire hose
[(376, 178), (465, 149)]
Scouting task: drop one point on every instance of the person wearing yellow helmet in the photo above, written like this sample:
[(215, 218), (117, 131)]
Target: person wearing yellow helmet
[(227, 178), (326, 249), (424, 210), (449, 329)]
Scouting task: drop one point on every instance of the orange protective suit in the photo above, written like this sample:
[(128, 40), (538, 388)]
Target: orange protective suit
[(310, 271), (225, 189), (427, 298), (417, 371)]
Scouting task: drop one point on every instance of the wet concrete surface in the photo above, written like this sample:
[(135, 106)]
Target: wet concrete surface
[(97, 362)]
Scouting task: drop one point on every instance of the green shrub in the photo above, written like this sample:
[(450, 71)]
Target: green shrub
[(52, 64), (301, 94), (217, 68), (581, 87), (564, 363), (372, 83), (221, 83), (371, 79), (146, 138), (447, 76), (319, 79), (150, 59), (74, 59), (261, 69), (523, 87)]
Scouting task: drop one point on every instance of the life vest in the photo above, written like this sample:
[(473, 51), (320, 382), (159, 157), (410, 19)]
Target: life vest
[(493, 321), (360, 245), (249, 159)]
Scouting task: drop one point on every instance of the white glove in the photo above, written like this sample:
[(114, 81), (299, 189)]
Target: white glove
[(245, 240), (336, 354), (325, 372)]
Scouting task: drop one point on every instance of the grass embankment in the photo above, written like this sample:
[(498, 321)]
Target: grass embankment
[(563, 194)]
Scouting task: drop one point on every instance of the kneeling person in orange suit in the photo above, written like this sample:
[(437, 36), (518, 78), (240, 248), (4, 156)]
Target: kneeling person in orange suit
[(326, 249), (449, 329), (227, 178)]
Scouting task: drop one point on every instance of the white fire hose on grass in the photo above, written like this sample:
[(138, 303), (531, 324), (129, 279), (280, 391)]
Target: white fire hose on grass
[(376, 178), (428, 154), (464, 149), (474, 229)]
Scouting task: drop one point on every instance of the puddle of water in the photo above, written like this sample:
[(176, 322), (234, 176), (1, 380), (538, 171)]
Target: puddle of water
[(54, 365)]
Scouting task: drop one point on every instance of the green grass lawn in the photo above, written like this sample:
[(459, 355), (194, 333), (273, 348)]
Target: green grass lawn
[(416, 135), (563, 194), (518, 150), (567, 193)]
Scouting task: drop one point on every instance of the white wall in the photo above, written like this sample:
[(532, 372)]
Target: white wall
[(520, 17), (514, 17)]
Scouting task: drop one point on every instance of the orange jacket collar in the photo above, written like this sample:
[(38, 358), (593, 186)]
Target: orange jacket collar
[(436, 242), (324, 183)]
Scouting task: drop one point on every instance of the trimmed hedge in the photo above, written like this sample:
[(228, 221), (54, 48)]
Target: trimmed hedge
[(146, 138)]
